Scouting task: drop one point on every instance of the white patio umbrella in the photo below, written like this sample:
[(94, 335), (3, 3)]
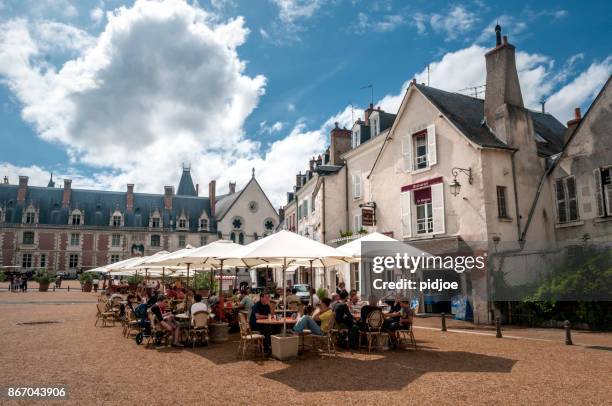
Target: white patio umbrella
[(353, 248), (170, 259), (286, 247)]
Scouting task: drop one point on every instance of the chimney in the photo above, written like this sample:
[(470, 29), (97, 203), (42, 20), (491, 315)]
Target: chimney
[(23, 189), (67, 193), (502, 85), (232, 188), (298, 180), (168, 193), (197, 189), (311, 164), (340, 142), (212, 196), (281, 215), (573, 123), (368, 111), (6, 181), (129, 198), (319, 160)]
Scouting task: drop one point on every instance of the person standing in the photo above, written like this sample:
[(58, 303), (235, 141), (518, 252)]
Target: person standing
[(24, 283)]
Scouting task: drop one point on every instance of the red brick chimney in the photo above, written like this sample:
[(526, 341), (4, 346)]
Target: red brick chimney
[(67, 193), (23, 189), (368, 111), (212, 196), (340, 142), (168, 193), (573, 123), (129, 198)]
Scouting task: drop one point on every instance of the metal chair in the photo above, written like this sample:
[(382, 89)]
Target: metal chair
[(327, 339), (405, 335), (374, 323)]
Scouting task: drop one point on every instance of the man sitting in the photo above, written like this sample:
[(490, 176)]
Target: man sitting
[(261, 310), (246, 303), (345, 321), (324, 315), (404, 319), (198, 305), (353, 298), (166, 320), (292, 297)]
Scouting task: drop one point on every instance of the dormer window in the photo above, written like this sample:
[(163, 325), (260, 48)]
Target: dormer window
[(116, 219), (182, 223), (203, 224), (30, 215), (155, 220), (374, 125), (356, 137), (76, 219), (30, 218)]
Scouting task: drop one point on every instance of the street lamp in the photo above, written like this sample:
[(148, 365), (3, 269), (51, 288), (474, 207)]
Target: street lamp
[(455, 186)]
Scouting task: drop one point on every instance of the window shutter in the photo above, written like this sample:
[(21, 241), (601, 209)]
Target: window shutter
[(406, 213), (407, 152), (356, 185), (598, 195), (437, 207), (432, 155), (608, 190)]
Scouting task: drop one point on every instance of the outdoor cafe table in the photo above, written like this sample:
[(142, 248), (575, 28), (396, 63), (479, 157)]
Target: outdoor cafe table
[(275, 322)]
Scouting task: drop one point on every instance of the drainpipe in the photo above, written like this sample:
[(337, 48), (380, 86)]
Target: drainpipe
[(516, 199), (346, 194), (323, 231)]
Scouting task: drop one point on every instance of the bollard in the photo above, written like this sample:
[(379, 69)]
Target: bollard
[(68, 288), (568, 332), (498, 333), (443, 321)]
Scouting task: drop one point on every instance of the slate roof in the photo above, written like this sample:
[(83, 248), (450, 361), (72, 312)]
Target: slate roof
[(98, 207), (185, 187), (467, 114)]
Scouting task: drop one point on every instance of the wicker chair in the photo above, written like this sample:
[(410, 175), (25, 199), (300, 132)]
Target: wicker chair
[(199, 328), (374, 324), (130, 323), (104, 315), (405, 336), (327, 339), (247, 337)]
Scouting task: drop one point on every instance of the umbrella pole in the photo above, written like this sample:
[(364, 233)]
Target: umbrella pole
[(284, 298), (221, 302), (164, 280), (311, 283)]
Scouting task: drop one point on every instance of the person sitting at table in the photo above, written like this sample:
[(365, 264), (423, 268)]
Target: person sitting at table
[(306, 321), (345, 321), (167, 320), (278, 293), (335, 299), (404, 316), (366, 310), (246, 303), (353, 298), (261, 310), (198, 305), (292, 297), (315, 297)]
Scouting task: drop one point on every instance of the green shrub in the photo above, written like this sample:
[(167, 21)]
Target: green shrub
[(44, 276), (86, 277), (135, 279), (322, 293), (202, 282)]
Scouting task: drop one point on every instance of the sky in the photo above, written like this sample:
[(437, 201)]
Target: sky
[(109, 92)]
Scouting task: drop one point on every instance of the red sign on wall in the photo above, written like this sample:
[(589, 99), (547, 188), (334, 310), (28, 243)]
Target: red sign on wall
[(422, 184), (367, 216)]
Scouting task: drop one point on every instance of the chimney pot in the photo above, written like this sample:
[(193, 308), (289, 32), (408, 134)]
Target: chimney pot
[(232, 187), (577, 114), (414, 81), (505, 41)]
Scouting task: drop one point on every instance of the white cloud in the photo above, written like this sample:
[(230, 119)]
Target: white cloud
[(38, 176), (292, 10), (96, 15), (264, 128), (63, 8), (387, 23), (454, 23), (161, 85), (290, 107), (264, 34)]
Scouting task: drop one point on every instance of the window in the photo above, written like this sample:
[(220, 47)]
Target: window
[(114, 258), (116, 240), (30, 217), (155, 222), (204, 224), (420, 151), (312, 204), (355, 138), (241, 238), (73, 261), (374, 128), (182, 223), (422, 210), (76, 219), (182, 242), (233, 236), (43, 260), (237, 223), (357, 189), (156, 240), (116, 220), (26, 261), (357, 223), (203, 240), (603, 191), (424, 218), (502, 211), (28, 237), (567, 204), (75, 239), (269, 224)]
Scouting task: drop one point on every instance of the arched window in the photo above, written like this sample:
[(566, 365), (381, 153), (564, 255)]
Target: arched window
[(116, 219), (76, 218), (241, 238), (233, 237), (30, 215)]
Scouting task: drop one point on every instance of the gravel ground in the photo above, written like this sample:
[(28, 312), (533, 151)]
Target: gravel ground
[(102, 367)]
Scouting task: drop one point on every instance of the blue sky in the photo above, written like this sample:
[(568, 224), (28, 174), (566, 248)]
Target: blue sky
[(126, 97)]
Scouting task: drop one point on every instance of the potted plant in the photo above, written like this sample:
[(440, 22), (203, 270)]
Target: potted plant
[(86, 280), (44, 278), (134, 280), (321, 293), (202, 284), (285, 346)]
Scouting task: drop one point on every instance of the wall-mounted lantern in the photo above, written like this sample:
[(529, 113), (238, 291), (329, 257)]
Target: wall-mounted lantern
[(455, 186)]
